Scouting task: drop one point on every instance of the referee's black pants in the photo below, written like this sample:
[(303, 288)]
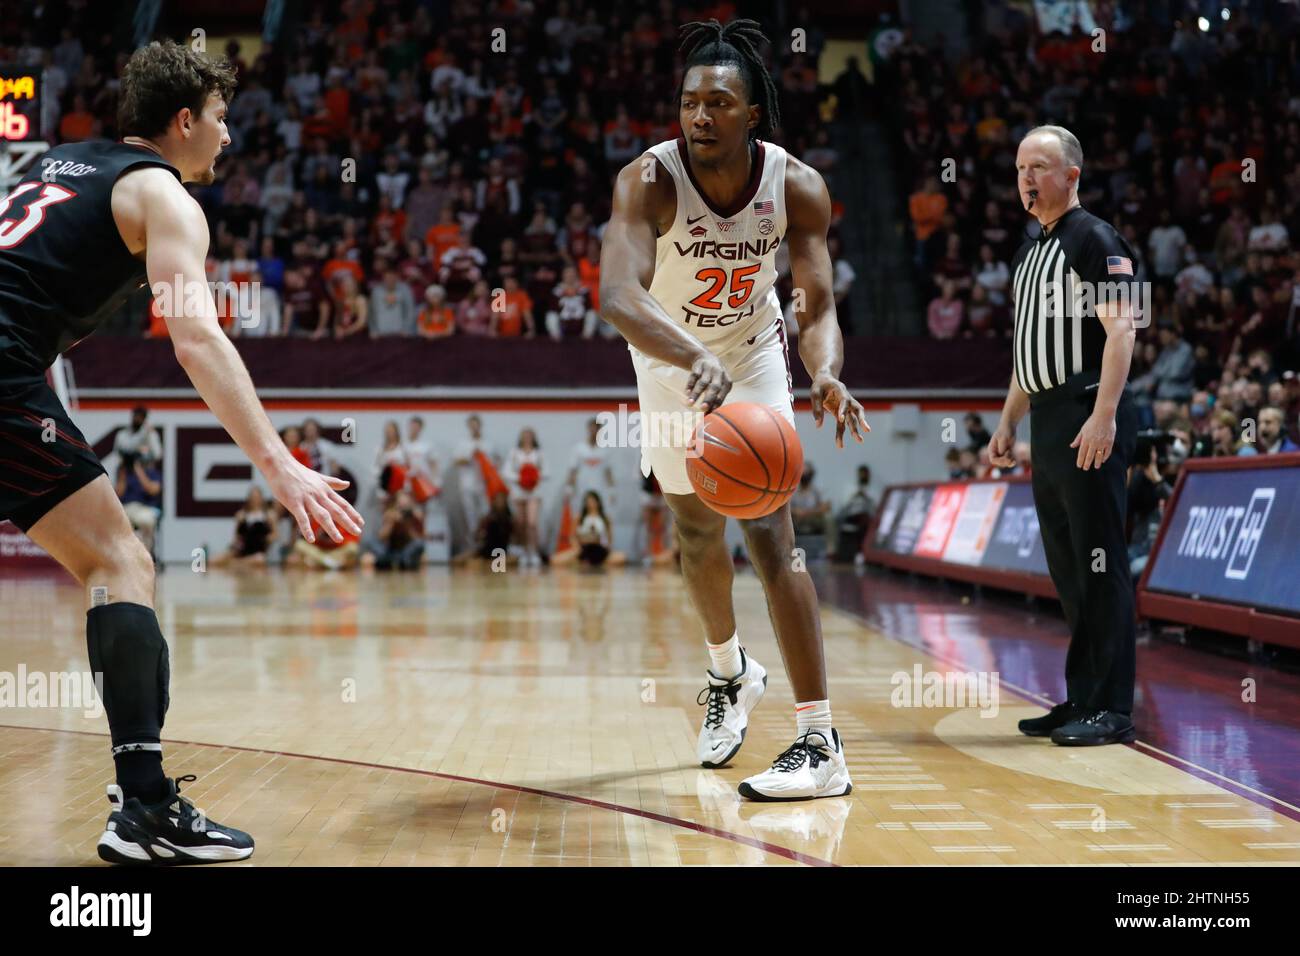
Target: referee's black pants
[(1081, 515)]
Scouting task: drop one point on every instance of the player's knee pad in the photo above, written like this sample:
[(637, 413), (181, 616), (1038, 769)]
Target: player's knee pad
[(132, 665)]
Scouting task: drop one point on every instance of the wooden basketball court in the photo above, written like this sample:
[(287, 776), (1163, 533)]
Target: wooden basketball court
[(549, 718)]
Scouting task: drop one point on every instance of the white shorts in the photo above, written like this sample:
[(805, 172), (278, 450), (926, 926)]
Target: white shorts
[(759, 373)]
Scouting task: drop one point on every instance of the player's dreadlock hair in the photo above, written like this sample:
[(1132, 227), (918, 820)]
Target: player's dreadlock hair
[(709, 43)]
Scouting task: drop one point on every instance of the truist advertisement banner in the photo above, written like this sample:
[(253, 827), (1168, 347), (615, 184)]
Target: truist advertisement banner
[(1234, 537), (987, 524), (1017, 544)]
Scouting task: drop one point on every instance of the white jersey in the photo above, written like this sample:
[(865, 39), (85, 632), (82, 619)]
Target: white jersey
[(715, 269)]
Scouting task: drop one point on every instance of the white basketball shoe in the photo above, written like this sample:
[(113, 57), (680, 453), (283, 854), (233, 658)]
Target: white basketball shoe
[(813, 766), (728, 702)]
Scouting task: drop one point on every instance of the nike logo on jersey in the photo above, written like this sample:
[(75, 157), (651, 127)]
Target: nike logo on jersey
[(691, 222)]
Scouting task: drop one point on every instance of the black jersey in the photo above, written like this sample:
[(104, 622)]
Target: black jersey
[(1057, 280), (64, 268)]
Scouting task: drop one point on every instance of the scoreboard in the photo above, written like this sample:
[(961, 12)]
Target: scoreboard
[(20, 104), (20, 122)]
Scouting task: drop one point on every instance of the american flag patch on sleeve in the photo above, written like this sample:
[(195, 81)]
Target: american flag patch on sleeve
[(764, 208), (1119, 266)]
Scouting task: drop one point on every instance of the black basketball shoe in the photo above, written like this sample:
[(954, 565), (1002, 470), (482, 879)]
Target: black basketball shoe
[(167, 833), (1058, 716)]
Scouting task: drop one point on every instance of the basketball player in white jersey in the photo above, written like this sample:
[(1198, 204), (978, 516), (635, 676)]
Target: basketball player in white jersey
[(687, 275)]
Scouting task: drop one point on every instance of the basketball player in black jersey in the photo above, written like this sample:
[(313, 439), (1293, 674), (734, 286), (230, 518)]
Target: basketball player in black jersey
[(88, 226)]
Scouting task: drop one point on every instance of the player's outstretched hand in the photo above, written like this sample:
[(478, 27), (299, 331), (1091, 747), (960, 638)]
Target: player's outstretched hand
[(308, 495), (709, 383), (829, 395)]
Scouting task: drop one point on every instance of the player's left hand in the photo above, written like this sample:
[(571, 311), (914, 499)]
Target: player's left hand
[(829, 394), (1095, 441)]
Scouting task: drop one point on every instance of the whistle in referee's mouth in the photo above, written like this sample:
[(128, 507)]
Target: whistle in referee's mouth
[(1033, 195)]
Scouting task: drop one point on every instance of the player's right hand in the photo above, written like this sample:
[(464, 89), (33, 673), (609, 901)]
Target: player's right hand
[(709, 383), (1001, 446), (308, 495)]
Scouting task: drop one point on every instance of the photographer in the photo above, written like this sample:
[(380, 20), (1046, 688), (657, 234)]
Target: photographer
[(1149, 485), (401, 537), (138, 440), (139, 488)]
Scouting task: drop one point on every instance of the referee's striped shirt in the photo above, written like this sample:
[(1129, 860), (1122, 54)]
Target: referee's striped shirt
[(1056, 280)]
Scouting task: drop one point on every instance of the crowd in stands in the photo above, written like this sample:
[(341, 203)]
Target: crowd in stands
[(393, 173), (1190, 142)]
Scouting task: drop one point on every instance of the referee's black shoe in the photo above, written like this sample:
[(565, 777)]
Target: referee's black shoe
[(1058, 716), (1098, 727)]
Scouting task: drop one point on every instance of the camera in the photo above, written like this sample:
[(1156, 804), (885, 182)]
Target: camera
[(1150, 438)]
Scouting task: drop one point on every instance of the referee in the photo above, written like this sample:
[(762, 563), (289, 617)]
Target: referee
[(1071, 349)]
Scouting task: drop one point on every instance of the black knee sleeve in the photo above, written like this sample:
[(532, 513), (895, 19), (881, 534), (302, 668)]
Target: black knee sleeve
[(130, 658)]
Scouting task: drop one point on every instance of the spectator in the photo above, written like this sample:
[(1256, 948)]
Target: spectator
[(1171, 377), (1166, 245), (808, 507), (461, 267), (977, 435), (979, 315), (392, 310), (255, 526), (400, 542), (842, 275), (590, 470), (1273, 439), (573, 315), (306, 306), (139, 488), (436, 319), (854, 518), (945, 313), (392, 464), (952, 463), (474, 315), (1223, 435), (524, 472), (493, 533), (424, 477), (515, 317), (139, 440), (992, 275), (442, 235), (348, 306), (78, 123), (469, 472), (1270, 235), (392, 183), (592, 537), (927, 207), (1148, 490)]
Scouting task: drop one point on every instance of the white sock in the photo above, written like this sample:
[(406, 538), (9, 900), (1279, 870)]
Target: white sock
[(814, 715), (726, 657)]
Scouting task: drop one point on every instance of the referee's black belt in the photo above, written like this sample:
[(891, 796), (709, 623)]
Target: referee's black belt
[(1077, 388)]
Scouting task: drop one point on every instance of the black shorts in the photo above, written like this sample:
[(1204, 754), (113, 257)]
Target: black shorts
[(44, 458), (593, 554)]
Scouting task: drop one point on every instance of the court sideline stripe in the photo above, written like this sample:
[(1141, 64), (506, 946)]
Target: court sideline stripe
[(774, 849)]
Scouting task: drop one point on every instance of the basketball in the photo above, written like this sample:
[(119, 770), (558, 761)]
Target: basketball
[(745, 460)]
